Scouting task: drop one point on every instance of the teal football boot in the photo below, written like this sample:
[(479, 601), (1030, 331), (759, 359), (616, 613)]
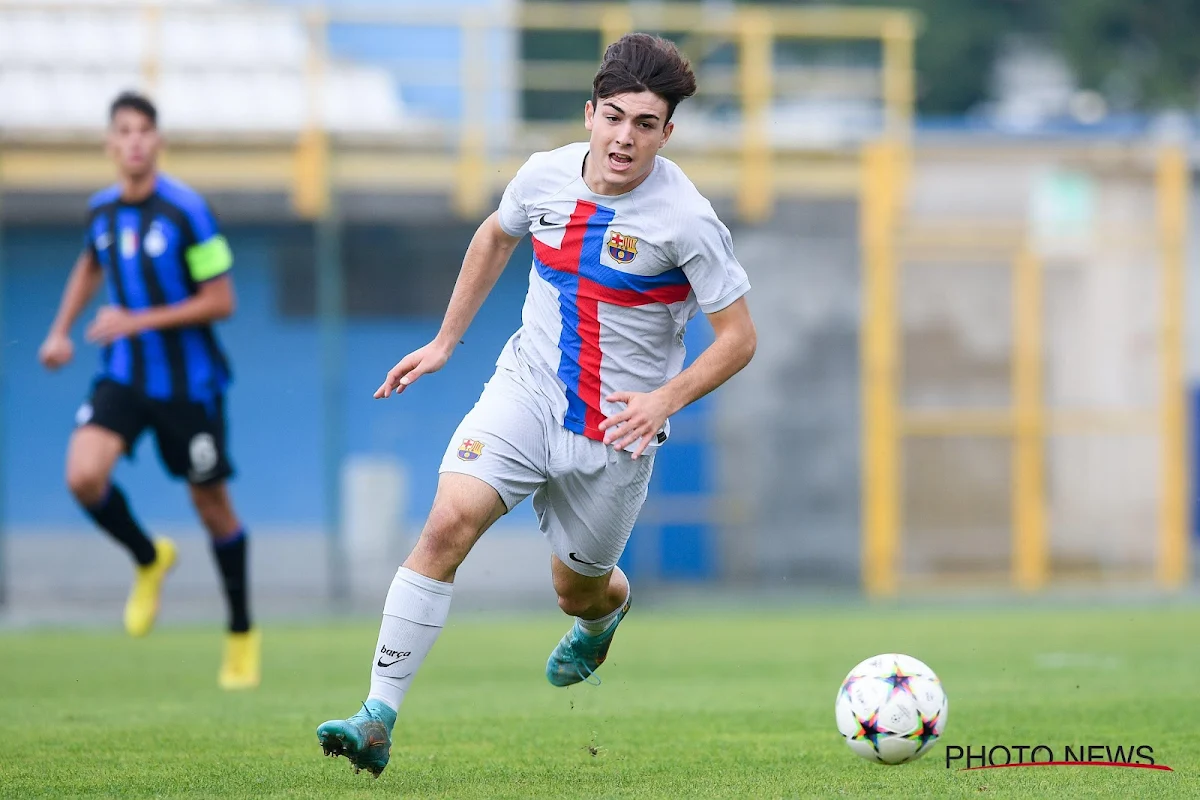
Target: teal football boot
[(365, 739), (580, 653)]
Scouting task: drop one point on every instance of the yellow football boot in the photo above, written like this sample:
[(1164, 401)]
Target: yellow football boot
[(141, 608), (241, 668)]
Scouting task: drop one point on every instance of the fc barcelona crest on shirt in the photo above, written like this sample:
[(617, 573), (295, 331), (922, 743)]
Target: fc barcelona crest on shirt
[(622, 248), (470, 449)]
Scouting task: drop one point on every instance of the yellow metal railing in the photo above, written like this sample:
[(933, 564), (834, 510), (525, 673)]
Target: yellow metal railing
[(1172, 181), (880, 365), (1030, 557), (1028, 422), (755, 31), (748, 165)]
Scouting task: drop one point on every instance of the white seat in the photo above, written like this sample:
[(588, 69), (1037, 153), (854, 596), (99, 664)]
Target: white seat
[(63, 99), (222, 67), (180, 101), (23, 98), (282, 41), (103, 40), (33, 39), (262, 100), (190, 101), (279, 100), (77, 102), (361, 99), (86, 94), (10, 35), (188, 38)]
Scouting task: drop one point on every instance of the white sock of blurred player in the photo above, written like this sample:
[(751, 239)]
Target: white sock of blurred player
[(413, 615)]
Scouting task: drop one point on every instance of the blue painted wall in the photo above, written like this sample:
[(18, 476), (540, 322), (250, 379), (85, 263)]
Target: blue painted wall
[(275, 403)]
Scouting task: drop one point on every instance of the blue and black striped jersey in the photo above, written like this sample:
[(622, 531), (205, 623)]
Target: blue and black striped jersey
[(158, 252)]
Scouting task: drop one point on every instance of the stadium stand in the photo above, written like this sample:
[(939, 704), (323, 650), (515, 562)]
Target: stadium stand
[(217, 67)]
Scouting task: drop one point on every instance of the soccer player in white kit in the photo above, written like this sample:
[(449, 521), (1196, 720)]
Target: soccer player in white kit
[(626, 250)]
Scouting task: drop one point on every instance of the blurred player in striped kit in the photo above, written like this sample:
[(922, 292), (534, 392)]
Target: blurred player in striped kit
[(155, 244)]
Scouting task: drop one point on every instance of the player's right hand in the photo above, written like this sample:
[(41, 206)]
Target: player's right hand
[(56, 351), (429, 358)]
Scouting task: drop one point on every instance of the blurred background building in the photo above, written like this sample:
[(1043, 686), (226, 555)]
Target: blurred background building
[(967, 226)]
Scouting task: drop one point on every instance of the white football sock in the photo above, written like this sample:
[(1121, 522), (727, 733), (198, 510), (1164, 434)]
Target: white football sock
[(598, 626), (413, 615)]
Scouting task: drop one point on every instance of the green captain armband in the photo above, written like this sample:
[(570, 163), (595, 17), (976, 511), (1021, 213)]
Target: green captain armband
[(208, 260)]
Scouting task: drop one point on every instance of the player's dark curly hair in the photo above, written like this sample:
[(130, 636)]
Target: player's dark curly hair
[(639, 62), (137, 102)]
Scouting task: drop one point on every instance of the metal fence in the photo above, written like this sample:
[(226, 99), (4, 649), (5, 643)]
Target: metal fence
[(1023, 371)]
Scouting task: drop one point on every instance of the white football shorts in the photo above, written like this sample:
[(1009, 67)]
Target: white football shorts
[(587, 495)]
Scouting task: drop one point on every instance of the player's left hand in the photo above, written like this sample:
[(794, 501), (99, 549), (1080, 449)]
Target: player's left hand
[(643, 417), (112, 323)]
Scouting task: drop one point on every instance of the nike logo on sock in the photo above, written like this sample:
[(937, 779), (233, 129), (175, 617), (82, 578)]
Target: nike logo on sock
[(382, 665), (396, 655)]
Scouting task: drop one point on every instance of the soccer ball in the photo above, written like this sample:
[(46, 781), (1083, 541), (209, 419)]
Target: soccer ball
[(891, 709)]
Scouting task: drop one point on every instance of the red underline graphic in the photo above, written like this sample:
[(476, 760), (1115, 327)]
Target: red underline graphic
[(1162, 767)]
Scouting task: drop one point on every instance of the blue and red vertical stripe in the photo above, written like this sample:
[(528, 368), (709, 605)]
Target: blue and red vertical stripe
[(583, 282)]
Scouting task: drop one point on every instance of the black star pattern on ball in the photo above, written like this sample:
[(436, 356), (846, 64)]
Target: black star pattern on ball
[(869, 729), (899, 681), (849, 684), (928, 730)]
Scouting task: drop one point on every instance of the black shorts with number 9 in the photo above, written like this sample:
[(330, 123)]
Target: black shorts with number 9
[(190, 435)]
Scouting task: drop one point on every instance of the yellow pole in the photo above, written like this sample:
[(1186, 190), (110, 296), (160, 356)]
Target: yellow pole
[(899, 76), (879, 364), (152, 65), (473, 190), (152, 20), (1030, 557), (755, 189), (1172, 180), (899, 88), (311, 178)]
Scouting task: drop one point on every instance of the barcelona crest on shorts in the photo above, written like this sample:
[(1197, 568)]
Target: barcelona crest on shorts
[(470, 449), (622, 248)]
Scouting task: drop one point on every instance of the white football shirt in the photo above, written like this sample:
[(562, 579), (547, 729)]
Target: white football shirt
[(614, 281)]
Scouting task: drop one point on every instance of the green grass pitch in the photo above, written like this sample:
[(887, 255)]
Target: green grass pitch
[(728, 704)]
